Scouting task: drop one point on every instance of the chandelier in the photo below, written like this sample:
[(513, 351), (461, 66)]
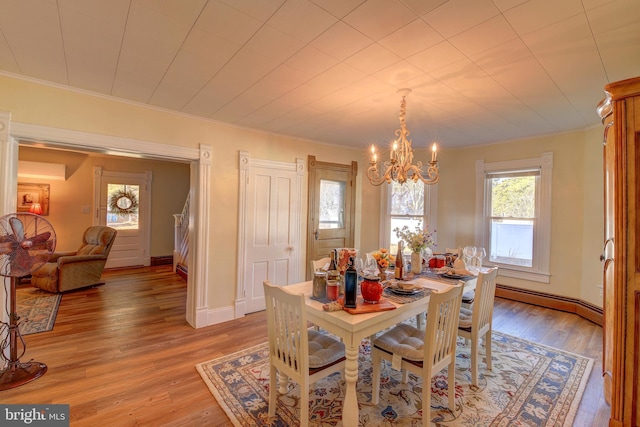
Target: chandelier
[(400, 167)]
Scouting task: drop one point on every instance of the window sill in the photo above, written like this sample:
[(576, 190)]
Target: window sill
[(533, 276)]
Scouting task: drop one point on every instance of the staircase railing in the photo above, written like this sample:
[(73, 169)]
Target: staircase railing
[(181, 238)]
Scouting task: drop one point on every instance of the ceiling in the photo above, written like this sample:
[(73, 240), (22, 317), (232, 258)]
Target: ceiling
[(480, 71)]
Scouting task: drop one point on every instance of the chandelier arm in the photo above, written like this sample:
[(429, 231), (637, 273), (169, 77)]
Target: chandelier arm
[(431, 176), (374, 175)]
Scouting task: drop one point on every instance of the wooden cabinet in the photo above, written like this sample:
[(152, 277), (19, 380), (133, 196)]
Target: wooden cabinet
[(620, 112)]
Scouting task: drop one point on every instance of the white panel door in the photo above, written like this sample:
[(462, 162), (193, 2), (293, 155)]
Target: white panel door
[(271, 206), (132, 245)]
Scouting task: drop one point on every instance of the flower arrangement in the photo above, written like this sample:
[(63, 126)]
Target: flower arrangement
[(383, 258), (417, 240), (342, 258)]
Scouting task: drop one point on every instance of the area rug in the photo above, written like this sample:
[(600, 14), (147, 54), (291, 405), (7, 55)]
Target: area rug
[(530, 385), (37, 309)]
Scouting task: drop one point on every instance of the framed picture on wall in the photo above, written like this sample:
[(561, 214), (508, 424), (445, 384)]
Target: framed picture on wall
[(32, 195)]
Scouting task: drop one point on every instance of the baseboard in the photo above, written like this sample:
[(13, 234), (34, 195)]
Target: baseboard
[(181, 271), (583, 309), (162, 260)]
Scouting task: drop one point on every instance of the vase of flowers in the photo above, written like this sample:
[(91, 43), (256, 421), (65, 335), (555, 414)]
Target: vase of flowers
[(383, 258), (417, 240)]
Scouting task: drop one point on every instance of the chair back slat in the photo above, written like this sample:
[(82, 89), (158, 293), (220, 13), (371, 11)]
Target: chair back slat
[(484, 301), (442, 325), (285, 318)]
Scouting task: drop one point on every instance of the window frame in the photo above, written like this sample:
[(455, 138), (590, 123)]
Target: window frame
[(539, 271), (429, 216)]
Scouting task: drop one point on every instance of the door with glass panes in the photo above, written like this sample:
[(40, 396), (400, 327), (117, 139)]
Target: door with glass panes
[(331, 208), (123, 203)]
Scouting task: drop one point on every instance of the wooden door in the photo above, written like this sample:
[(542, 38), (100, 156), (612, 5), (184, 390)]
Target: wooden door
[(331, 208)]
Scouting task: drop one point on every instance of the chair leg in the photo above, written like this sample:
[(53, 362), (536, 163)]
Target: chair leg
[(304, 405), (273, 390), (426, 402), (375, 386), (419, 320), (474, 360), (487, 344), (451, 386)]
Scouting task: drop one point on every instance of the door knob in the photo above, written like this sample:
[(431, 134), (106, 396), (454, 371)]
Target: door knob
[(315, 234)]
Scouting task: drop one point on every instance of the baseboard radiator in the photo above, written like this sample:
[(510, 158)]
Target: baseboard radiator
[(583, 309)]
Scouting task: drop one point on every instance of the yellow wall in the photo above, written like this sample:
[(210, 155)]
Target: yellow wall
[(33, 103), (577, 188), (577, 213), (169, 189)]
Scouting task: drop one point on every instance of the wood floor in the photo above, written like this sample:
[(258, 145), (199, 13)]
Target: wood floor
[(122, 354)]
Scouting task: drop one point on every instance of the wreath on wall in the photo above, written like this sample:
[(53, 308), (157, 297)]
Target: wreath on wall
[(123, 202)]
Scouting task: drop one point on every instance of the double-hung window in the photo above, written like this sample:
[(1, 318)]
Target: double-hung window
[(514, 202), (407, 204)]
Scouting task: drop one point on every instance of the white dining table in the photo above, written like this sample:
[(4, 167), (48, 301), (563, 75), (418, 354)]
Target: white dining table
[(353, 328)]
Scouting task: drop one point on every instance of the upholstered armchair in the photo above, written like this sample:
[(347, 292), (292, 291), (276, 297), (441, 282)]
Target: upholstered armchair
[(72, 270)]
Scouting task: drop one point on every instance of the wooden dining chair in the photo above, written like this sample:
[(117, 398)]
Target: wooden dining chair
[(319, 264), (295, 351), (476, 323), (423, 352)]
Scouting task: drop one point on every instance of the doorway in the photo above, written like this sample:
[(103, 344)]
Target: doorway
[(332, 207), (199, 158), (123, 201)]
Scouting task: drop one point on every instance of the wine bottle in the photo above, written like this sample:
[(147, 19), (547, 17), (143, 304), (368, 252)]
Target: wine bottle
[(332, 272), (399, 271), (350, 285)]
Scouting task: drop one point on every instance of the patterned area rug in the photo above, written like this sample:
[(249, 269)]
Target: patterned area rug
[(530, 385), (37, 309)]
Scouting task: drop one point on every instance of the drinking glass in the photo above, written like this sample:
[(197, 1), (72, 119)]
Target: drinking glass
[(480, 254), (371, 265), (469, 254)]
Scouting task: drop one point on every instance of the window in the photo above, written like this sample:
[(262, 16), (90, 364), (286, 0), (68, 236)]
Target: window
[(122, 206), (406, 204), (512, 205), (516, 216), (332, 204)]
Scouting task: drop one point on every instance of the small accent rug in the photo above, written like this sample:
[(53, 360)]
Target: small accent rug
[(37, 309), (530, 385)]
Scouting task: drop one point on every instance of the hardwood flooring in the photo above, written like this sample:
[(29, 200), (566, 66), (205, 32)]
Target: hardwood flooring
[(121, 354)]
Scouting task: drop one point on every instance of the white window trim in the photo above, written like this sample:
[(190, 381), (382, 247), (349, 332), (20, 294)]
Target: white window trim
[(430, 214), (539, 272)]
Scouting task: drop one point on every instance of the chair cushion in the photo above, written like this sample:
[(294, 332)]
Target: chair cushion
[(466, 316), (46, 277), (468, 297), (95, 240), (323, 349), (403, 340)]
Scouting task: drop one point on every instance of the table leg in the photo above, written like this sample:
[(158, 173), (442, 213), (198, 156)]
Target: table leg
[(350, 412), (283, 383)]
